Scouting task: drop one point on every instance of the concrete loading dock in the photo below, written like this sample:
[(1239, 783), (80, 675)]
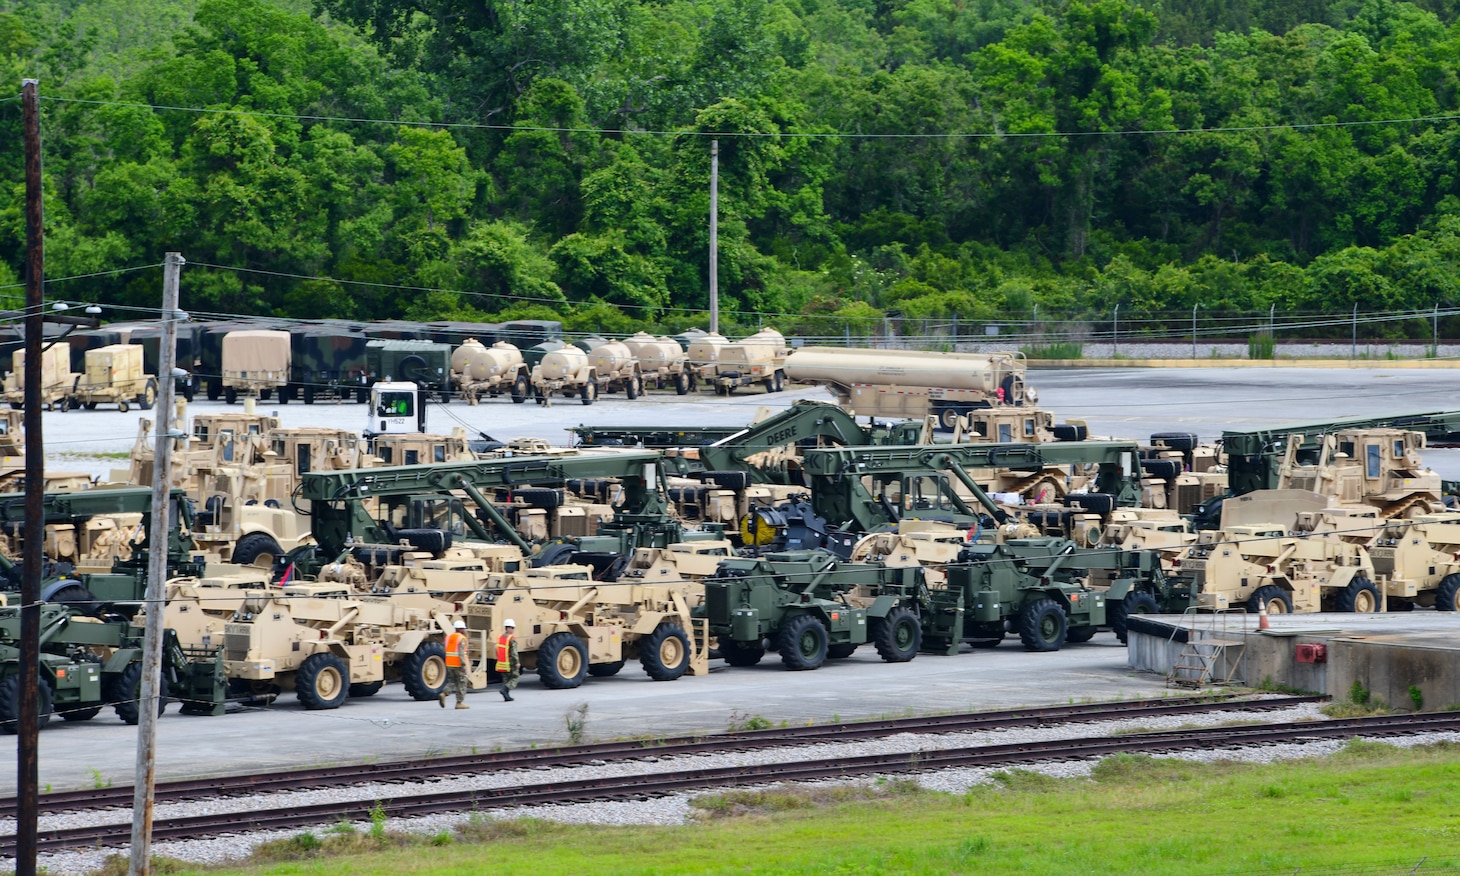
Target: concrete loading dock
[(1393, 656)]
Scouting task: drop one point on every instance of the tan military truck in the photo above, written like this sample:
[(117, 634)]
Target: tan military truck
[(478, 370), (255, 363), (758, 359), (616, 368), (662, 361), (566, 372), (114, 375), (1416, 559), (56, 377), (1381, 468)]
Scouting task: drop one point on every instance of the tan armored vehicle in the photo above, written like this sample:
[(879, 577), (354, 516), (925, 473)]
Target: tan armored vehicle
[(570, 626), (416, 448), (1417, 561), (328, 644), (616, 368), (478, 370), (1272, 551), (255, 362), (564, 372), (701, 357), (1376, 467), (661, 361), (114, 375), (758, 359), (56, 377)]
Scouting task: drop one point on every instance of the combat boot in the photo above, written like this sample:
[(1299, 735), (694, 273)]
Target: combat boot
[(462, 706), (506, 694)]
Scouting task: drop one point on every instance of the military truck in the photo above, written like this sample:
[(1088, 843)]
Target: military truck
[(87, 664), (478, 370), (662, 362), (424, 363), (911, 383), (255, 362), (56, 377), (813, 606), (1417, 562), (114, 375), (758, 359), (326, 363)]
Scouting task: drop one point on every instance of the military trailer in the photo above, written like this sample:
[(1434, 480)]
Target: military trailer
[(255, 362), (57, 378), (701, 357), (757, 360), (661, 361), (424, 363), (326, 363), (114, 375), (478, 370), (616, 368), (566, 372)]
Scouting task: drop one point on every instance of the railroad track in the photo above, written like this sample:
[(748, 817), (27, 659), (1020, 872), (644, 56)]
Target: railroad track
[(425, 768), (658, 784)]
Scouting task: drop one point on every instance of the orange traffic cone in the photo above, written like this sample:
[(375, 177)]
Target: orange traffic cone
[(1262, 616)]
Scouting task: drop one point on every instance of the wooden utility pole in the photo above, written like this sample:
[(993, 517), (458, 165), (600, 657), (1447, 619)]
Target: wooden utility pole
[(157, 544), (714, 236), (27, 776)]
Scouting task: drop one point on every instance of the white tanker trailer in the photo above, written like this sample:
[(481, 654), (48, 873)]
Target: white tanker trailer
[(661, 361), (912, 383), (477, 369), (566, 372), (615, 367), (748, 361)]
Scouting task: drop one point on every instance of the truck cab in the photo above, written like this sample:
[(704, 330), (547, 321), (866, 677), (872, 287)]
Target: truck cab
[(395, 407)]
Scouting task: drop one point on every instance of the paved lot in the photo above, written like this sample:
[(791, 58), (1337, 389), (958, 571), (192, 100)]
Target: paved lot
[(1130, 403)]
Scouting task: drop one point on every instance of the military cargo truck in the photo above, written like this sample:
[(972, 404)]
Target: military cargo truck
[(326, 363), (424, 363), (255, 362)]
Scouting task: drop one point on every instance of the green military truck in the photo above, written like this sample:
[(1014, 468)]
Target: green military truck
[(424, 363), (812, 606)]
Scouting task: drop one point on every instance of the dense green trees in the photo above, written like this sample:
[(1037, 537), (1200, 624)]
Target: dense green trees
[(922, 160)]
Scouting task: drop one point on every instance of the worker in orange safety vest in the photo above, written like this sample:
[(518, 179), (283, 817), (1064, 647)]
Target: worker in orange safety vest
[(456, 665), (509, 665)]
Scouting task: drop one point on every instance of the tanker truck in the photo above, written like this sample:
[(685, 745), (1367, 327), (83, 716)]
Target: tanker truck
[(760, 358), (661, 361), (913, 384), (477, 369), (616, 368), (566, 372)]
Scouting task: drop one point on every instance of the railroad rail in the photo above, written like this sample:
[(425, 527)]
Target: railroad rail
[(120, 796)]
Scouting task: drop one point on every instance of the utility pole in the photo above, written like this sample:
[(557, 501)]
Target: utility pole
[(27, 751), (157, 545), (1115, 331), (714, 236), (1193, 328)]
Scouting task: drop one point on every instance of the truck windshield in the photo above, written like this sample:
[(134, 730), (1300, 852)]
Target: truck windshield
[(396, 404)]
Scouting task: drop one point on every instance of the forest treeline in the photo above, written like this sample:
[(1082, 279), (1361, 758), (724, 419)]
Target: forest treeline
[(922, 159)]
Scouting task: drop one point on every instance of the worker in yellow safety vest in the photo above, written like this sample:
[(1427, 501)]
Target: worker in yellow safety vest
[(456, 665), (509, 665)]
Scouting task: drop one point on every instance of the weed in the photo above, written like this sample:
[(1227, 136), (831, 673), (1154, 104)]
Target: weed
[(98, 781), (1358, 694), (791, 799), (442, 838), (1273, 792), (377, 821), (577, 720), (481, 829), (1417, 697), (119, 865), (974, 845), (1354, 710), (1270, 686), (1261, 346), (1053, 350), (741, 722), (341, 828), (1024, 780)]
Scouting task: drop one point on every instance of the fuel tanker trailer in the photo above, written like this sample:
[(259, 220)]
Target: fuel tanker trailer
[(913, 383), (478, 370), (565, 371), (615, 367), (661, 361), (700, 357)]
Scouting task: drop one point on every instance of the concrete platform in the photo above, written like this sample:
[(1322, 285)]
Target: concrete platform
[(1394, 656)]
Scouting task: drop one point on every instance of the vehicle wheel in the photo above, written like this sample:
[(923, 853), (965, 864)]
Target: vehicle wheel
[(361, 689), (63, 405), (322, 682), (18, 406), (257, 549), (308, 396), (1080, 634), (214, 390), (588, 393), (948, 418), (1176, 440), (148, 398), (10, 704), (604, 670), (721, 390), (986, 643), (90, 406), (126, 689), (898, 636), (1360, 597), (521, 389), (770, 384), (562, 661), (633, 388), (1042, 625), (286, 393), (230, 395), (1447, 598), (122, 406), (362, 396), (683, 383), (1135, 602), (741, 653), (1276, 598), (665, 652), (189, 389), (75, 595), (802, 643), (266, 394), (80, 713), (780, 382), (840, 652), (554, 555), (423, 673)]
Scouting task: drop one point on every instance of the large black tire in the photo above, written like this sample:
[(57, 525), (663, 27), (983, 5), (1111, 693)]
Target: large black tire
[(1447, 598), (1135, 602), (423, 673), (362, 689), (562, 661), (148, 398), (1077, 635), (588, 393), (604, 670), (683, 383), (230, 395), (1070, 432), (362, 396), (322, 682), (1176, 440), (79, 713), (286, 393), (1360, 596), (255, 546), (1042, 625), (554, 555), (898, 636), (73, 594), (780, 382), (665, 653), (989, 642), (215, 389), (10, 704), (802, 642), (308, 393), (840, 652), (125, 690), (741, 653), (1274, 597), (634, 387), (521, 389)]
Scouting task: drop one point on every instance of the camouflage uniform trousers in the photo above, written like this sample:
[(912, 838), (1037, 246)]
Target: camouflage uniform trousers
[(456, 682), (509, 678)]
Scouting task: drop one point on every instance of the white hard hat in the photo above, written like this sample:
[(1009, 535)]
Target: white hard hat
[(509, 623), (460, 625)]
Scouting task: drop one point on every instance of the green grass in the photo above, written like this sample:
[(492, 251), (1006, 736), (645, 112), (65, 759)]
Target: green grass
[(1370, 803), (1053, 350)]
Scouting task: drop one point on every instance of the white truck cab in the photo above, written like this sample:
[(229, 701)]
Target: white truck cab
[(396, 407)]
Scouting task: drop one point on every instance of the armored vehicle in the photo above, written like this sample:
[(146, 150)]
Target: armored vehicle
[(813, 606)]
